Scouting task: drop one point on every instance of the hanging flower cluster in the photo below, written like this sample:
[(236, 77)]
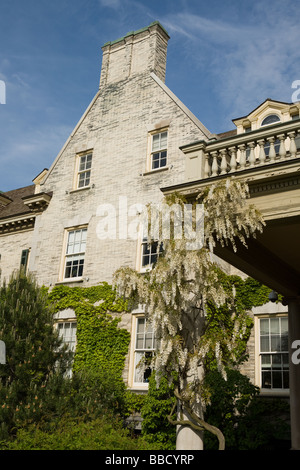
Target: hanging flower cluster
[(176, 291)]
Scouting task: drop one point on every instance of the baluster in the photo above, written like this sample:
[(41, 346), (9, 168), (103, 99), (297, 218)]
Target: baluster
[(223, 162), (206, 166), (214, 166), (242, 148), (251, 156), (232, 163), (282, 149), (293, 148), (272, 153), (262, 153)]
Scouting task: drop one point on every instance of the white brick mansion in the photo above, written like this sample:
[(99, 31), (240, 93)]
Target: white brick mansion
[(124, 149)]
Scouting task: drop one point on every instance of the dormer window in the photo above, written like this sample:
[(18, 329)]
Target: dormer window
[(267, 121), (271, 119)]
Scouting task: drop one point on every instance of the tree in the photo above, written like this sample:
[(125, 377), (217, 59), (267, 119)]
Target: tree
[(34, 350), (184, 283)]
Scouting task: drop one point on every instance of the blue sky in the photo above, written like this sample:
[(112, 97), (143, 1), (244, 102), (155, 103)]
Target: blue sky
[(224, 58)]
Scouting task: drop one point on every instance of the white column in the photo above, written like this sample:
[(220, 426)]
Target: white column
[(188, 438)]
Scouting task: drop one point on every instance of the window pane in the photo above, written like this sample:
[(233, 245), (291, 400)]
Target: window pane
[(140, 325), (276, 361), (82, 163), (284, 343), (163, 140), (155, 160), (277, 380), (284, 326), (148, 341), (285, 378), (155, 142), (264, 326), (264, 343), (275, 343), (285, 361), (274, 325), (266, 360), (266, 380)]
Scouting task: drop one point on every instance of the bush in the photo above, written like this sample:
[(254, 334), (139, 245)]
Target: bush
[(247, 421), (34, 351), (158, 403), (103, 433)]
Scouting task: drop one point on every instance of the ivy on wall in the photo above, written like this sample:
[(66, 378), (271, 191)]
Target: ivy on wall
[(100, 341)]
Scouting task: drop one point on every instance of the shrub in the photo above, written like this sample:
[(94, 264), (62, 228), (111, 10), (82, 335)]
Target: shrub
[(247, 421), (103, 433), (157, 406)]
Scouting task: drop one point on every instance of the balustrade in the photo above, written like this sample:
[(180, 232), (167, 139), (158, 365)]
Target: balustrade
[(258, 149)]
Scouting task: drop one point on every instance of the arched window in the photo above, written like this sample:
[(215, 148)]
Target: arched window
[(271, 119)]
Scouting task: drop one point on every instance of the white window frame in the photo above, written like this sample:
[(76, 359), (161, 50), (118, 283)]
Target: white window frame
[(160, 149), (68, 325), (75, 252), (268, 310), (143, 342), (153, 254), (271, 352), (83, 170)]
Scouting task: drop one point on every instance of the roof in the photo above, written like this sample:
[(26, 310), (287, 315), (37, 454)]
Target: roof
[(268, 99), (16, 206)]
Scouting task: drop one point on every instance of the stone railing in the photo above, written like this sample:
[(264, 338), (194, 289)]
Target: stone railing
[(267, 145)]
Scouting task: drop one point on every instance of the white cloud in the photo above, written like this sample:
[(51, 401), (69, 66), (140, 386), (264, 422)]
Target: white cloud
[(248, 60)]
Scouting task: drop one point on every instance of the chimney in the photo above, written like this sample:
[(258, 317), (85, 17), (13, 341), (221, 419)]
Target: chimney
[(137, 52)]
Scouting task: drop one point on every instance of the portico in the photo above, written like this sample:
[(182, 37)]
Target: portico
[(268, 159)]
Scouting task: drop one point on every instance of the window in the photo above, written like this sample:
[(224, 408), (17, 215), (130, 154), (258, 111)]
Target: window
[(24, 260), (159, 150), (274, 352), (84, 170), (271, 119), (143, 351), (75, 253), (150, 254), (67, 331)]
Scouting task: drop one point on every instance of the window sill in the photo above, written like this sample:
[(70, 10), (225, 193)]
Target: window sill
[(141, 388), (274, 392), (156, 170), (79, 189), (70, 280)]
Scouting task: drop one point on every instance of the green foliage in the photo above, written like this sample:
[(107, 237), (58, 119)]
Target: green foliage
[(248, 293), (157, 406), (101, 344), (103, 433), (229, 400), (133, 402), (88, 394), (33, 350), (247, 421)]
